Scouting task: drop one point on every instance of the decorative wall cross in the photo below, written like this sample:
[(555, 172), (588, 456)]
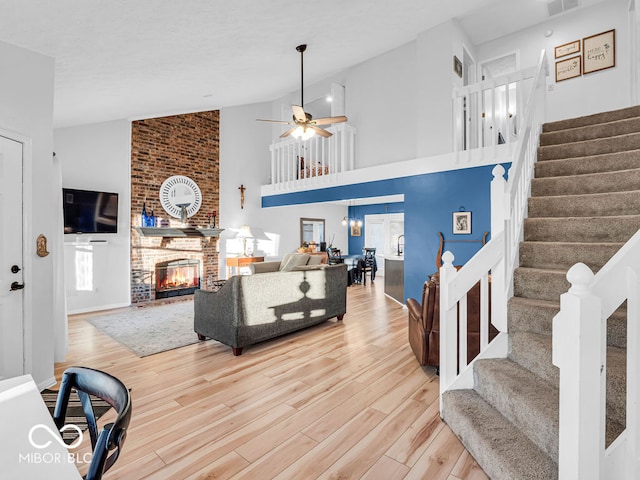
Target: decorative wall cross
[(242, 188)]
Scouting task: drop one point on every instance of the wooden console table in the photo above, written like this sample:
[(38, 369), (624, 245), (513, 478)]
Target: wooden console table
[(239, 262)]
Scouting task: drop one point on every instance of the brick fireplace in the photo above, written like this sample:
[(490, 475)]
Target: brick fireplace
[(160, 148)]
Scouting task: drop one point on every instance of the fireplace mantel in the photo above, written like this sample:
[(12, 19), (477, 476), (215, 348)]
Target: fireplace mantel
[(177, 232)]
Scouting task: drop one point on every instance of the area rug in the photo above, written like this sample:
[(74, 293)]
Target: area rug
[(150, 330), (75, 414)]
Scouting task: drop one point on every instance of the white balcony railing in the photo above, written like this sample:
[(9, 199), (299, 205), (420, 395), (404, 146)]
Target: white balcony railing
[(314, 161)]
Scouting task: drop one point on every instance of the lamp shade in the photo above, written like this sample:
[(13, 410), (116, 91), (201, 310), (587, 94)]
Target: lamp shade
[(245, 232)]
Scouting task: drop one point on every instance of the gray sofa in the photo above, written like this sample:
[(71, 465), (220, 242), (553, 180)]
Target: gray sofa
[(252, 308)]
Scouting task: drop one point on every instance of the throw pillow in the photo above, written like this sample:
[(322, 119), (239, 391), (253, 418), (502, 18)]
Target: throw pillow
[(285, 260), (294, 260), (314, 260)]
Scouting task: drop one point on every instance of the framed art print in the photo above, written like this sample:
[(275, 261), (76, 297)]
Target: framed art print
[(599, 52), (567, 49), (461, 222), (569, 68)]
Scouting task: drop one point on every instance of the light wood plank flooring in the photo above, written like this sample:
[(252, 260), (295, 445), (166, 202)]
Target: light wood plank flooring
[(342, 400)]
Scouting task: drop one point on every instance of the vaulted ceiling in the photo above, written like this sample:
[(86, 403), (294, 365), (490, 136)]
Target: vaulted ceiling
[(129, 59)]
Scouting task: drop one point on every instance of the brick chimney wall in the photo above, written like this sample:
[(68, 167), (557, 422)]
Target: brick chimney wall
[(160, 148)]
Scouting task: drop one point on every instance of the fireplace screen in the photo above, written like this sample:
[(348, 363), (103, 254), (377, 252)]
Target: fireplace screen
[(177, 277)]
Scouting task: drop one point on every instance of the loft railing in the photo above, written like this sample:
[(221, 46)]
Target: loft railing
[(314, 161), (490, 112), (498, 258), (580, 352)]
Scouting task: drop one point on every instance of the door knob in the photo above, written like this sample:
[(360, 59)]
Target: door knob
[(15, 269), (16, 286)]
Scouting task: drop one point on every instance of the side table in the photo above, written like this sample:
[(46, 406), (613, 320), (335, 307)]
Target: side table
[(238, 262)]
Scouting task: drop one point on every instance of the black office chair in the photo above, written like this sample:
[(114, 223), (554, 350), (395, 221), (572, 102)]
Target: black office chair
[(369, 264), (87, 381)]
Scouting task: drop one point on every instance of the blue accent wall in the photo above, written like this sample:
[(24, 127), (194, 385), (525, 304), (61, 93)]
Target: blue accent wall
[(429, 203)]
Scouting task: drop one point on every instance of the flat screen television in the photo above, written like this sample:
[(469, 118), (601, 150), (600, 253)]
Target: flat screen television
[(87, 211)]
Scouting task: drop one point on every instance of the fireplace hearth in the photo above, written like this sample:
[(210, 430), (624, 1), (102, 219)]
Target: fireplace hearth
[(177, 277)]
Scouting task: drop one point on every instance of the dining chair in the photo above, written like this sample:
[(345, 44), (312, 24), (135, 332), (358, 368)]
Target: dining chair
[(108, 444), (369, 264)]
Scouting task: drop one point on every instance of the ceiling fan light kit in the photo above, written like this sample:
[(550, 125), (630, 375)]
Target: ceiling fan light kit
[(304, 126)]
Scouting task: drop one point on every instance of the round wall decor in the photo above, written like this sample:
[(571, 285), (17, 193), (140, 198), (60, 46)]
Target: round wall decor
[(178, 191)]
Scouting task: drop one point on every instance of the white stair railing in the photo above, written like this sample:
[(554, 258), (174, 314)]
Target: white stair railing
[(313, 161), (498, 258), (580, 352)]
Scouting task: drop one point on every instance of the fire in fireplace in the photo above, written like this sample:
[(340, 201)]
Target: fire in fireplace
[(177, 277)]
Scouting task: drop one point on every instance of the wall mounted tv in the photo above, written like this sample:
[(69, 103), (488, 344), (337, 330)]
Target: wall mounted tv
[(86, 211)]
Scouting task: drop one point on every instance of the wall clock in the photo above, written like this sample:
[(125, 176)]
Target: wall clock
[(178, 191)]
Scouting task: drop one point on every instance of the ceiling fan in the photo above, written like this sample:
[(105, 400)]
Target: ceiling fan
[(304, 126)]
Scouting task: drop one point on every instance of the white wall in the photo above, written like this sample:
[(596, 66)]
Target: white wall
[(595, 92), (26, 96), (245, 160), (98, 157), (436, 79)]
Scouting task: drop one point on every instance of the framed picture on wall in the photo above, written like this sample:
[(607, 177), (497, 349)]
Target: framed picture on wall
[(457, 66), (567, 49), (356, 230), (599, 52), (461, 222), (569, 68)]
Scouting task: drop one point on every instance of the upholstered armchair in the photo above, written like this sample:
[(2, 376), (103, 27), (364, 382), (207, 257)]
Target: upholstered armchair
[(424, 323)]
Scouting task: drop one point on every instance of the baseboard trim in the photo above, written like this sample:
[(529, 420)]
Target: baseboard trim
[(98, 308)]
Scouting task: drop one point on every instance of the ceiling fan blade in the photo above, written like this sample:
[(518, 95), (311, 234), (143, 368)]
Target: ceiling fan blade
[(320, 131), (298, 113), (329, 120), (288, 132), (274, 121)]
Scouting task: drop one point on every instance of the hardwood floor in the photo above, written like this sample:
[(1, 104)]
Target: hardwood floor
[(342, 400)]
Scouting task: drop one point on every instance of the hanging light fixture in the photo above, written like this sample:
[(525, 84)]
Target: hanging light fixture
[(344, 221), (303, 133)]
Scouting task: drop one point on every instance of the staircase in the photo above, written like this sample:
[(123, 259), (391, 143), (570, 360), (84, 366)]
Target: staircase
[(584, 205)]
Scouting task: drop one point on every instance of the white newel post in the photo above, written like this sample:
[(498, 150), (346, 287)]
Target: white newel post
[(448, 326), (500, 211), (632, 467), (579, 351)]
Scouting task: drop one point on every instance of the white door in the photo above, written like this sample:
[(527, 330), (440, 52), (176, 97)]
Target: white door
[(11, 279)]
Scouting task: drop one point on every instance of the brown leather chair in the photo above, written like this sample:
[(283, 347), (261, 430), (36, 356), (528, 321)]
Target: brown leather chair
[(424, 323)]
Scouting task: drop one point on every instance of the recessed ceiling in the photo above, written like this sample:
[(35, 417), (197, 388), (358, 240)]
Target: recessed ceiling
[(137, 58)]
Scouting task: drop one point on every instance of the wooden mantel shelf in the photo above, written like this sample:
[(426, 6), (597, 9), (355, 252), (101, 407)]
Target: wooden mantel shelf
[(178, 232)]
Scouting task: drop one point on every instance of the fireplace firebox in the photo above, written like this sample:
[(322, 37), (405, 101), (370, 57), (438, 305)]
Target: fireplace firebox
[(177, 277)]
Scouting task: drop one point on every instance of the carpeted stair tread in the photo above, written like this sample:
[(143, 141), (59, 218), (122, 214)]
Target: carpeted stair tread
[(629, 141), (533, 352), (588, 205), (615, 228), (559, 255), (609, 162), (526, 400), (590, 132), (533, 315), (601, 117), (503, 451), (619, 181), (541, 283)]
